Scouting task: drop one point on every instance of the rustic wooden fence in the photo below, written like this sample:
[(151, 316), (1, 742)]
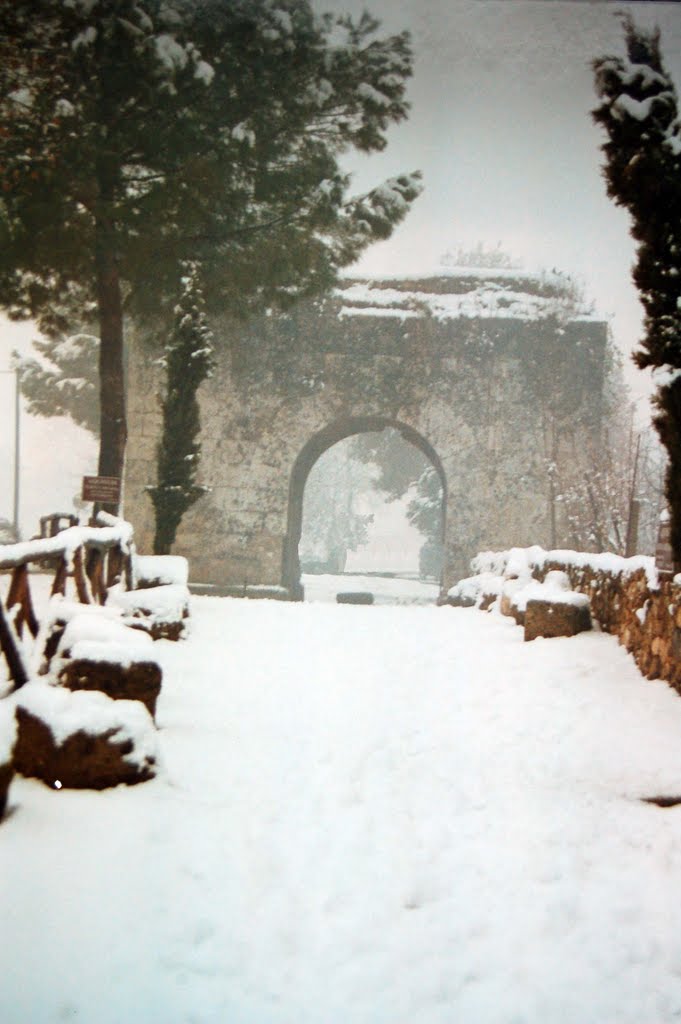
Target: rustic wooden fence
[(90, 559)]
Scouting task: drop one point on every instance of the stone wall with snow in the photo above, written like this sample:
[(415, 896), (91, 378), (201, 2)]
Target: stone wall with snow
[(628, 597), (469, 363)]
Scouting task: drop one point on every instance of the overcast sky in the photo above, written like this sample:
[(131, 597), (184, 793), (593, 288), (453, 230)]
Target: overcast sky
[(500, 128)]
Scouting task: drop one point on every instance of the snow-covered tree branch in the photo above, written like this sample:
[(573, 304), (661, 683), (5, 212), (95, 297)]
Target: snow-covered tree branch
[(135, 134)]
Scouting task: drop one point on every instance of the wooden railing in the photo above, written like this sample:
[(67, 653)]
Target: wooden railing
[(94, 558)]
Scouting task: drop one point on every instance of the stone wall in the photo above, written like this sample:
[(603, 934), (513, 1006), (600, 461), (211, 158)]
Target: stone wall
[(645, 618), (467, 390), (629, 598)]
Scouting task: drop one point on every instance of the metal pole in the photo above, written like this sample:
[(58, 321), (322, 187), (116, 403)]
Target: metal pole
[(17, 408)]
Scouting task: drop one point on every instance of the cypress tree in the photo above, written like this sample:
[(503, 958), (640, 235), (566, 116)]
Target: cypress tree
[(187, 360), (639, 112), (63, 382)]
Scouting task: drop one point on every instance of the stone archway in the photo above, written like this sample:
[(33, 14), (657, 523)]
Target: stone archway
[(469, 361), (312, 450)]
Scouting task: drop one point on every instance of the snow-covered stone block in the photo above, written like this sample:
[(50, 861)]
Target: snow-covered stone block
[(163, 611), (60, 611), (160, 570), (139, 680), (83, 740), (480, 591), (518, 592), (88, 628), (557, 614), (510, 591), (99, 653), (8, 731), (556, 579)]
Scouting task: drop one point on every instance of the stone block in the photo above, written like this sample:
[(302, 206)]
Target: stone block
[(146, 446), (161, 611), (550, 618), (486, 601), (160, 570), (479, 591), (508, 604), (355, 597), (676, 644), (61, 612), (98, 651), (557, 579), (83, 740), (660, 646), (138, 680)]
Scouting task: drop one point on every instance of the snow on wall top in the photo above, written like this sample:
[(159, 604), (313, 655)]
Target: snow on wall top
[(548, 592), (519, 562), (537, 278), (455, 293)]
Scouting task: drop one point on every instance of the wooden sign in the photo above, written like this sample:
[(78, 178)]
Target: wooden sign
[(664, 560), (106, 489)]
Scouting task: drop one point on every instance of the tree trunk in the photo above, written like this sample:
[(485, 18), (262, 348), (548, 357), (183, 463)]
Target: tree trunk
[(113, 428), (632, 528), (553, 455), (668, 424), (161, 546), (166, 526)]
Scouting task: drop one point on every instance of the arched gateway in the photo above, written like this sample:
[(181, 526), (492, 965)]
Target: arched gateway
[(312, 451), (486, 371)]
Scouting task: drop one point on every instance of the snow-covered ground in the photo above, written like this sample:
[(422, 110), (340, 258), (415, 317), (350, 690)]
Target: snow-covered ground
[(386, 815)]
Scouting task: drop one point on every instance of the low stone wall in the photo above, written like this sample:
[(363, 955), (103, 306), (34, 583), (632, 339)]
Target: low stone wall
[(628, 597)]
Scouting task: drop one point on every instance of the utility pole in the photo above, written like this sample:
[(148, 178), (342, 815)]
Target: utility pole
[(17, 414), (634, 508), (17, 448)]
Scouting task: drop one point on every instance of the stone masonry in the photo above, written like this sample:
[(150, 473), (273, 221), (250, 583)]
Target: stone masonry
[(468, 365)]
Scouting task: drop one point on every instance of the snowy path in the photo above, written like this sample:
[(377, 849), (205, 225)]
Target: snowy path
[(367, 816)]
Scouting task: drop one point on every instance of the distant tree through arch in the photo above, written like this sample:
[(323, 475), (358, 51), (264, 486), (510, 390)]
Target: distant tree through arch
[(311, 452)]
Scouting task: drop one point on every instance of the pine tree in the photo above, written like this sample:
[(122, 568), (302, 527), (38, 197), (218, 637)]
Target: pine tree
[(400, 468), (332, 522), (187, 360), (63, 381), (639, 111), (135, 134)]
